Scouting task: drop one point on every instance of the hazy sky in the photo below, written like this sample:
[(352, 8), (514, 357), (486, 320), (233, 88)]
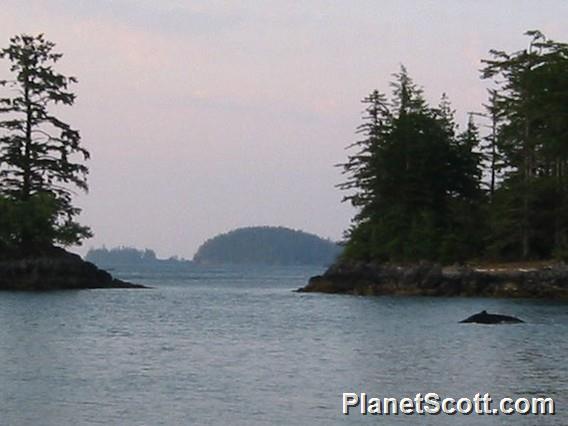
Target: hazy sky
[(203, 116)]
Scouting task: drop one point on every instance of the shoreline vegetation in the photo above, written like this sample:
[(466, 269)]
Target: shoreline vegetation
[(429, 194)]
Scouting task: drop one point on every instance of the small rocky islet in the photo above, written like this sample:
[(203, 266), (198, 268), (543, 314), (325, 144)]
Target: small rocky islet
[(53, 269), (542, 281)]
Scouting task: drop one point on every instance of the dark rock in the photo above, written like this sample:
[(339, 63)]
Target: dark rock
[(54, 269), (430, 279), (484, 318)]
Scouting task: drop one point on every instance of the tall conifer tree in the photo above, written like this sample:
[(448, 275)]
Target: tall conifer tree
[(37, 149)]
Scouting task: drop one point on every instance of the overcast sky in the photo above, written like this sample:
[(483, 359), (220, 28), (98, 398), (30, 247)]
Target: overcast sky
[(204, 116)]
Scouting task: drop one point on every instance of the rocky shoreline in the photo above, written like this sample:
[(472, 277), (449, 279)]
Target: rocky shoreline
[(429, 279), (55, 269)]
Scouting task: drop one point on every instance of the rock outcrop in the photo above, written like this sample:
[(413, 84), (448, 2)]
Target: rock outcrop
[(428, 279), (54, 269)]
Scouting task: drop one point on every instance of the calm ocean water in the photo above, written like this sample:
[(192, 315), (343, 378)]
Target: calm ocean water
[(235, 346)]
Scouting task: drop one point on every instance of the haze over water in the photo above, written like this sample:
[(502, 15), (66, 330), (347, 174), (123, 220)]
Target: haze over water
[(235, 345)]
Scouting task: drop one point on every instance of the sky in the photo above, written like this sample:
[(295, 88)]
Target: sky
[(205, 116)]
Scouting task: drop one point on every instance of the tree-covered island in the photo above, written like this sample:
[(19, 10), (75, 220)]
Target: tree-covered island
[(267, 245), (428, 194), (40, 167)]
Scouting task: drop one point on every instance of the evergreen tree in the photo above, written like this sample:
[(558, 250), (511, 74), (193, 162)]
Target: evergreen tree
[(466, 227), (532, 105), (413, 180), (37, 149)]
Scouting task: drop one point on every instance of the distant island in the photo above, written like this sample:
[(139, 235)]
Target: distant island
[(129, 256), (267, 245)]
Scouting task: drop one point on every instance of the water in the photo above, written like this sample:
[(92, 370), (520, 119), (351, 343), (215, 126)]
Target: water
[(235, 346)]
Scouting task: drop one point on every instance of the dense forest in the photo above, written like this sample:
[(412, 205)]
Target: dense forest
[(424, 190), (267, 245)]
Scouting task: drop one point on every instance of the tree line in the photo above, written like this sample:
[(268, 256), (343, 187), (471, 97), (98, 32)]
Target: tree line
[(424, 190)]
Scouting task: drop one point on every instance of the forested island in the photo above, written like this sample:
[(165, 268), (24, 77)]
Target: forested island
[(429, 194), (269, 246), (129, 256), (41, 164)]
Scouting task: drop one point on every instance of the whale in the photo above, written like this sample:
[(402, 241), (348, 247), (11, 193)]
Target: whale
[(484, 318)]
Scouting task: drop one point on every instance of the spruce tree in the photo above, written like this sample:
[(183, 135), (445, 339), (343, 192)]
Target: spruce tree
[(39, 152)]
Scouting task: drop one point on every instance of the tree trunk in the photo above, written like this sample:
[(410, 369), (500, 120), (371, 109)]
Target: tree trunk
[(493, 143), (527, 172), (27, 234), (558, 222), (26, 184)]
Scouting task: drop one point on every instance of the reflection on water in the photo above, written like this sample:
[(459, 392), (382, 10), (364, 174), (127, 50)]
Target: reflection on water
[(236, 346)]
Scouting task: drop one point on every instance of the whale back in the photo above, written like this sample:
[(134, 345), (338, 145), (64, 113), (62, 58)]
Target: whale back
[(484, 318)]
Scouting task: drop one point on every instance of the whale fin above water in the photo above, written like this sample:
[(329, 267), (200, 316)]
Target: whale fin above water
[(484, 318)]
